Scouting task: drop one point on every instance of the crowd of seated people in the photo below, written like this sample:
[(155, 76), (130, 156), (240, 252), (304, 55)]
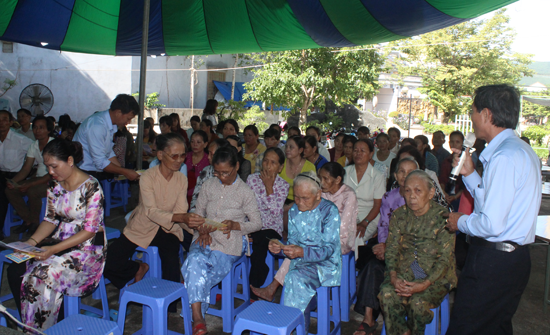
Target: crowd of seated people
[(322, 204)]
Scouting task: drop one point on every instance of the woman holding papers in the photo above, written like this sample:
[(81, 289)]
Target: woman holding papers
[(160, 218), (225, 199), (73, 263)]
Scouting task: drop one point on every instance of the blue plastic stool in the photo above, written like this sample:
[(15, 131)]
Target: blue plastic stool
[(12, 219), (84, 325), (111, 233), (348, 288), (155, 295), (238, 274), (443, 319), (4, 260), (269, 318), (114, 194), (73, 305), (152, 258), (323, 314)]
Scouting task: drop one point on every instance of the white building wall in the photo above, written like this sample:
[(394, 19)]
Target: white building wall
[(84, 83), (171, 78), (81, 83)]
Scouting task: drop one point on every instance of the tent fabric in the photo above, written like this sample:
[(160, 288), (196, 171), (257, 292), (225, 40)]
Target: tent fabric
[(538, 101), (225, 89), (202, 27)]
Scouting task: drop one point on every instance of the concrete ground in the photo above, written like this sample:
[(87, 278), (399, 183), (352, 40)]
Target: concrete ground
[(530, 318)]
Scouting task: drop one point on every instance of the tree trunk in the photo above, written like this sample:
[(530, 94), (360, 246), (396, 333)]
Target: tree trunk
[(303, 113)]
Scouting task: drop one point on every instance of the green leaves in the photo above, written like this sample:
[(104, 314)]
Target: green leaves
[(8, 85), (454, 61), (151, 100), (299, 79)]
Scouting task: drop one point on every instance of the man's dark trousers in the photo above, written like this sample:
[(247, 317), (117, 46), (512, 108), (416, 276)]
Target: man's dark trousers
[(489, 290)]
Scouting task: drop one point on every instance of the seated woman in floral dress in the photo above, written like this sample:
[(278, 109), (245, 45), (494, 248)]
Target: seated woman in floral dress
[(420, 262), (73, 266), (226, 199), (271, 191)]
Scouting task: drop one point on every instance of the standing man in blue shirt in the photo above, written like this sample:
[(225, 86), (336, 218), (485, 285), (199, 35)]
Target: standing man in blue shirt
[(506, 205), (96, 136)]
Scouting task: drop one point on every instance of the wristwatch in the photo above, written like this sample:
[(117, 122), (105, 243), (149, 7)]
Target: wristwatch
[(367, 221)]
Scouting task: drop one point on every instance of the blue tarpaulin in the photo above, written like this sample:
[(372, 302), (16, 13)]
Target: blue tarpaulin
[(225, 89)]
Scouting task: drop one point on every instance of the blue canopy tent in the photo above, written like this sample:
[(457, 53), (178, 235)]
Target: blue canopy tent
[(201, 27)]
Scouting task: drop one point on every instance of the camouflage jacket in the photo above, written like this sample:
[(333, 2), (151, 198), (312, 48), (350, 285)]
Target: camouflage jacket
[(434, 245)]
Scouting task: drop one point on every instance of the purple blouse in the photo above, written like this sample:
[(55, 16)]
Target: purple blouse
[(270, 206), (391, 201)]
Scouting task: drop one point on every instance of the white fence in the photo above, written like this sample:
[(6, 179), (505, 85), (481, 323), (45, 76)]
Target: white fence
[(463, 123)]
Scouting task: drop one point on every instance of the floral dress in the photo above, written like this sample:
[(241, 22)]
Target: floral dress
[(75, 273)]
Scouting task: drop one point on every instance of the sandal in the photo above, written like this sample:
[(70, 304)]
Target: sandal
[(364, 327), (200, 329)]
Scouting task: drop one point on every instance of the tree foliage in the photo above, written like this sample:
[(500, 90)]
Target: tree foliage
[(534, 112), (151, 100), (8, 85), (300, 79), (453, 61)]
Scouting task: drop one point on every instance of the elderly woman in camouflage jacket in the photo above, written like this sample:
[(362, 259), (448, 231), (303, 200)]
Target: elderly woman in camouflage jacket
[(420, 265)]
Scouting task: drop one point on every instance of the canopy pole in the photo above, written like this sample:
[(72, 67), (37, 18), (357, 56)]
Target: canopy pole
[(192, 87), (142, 78), (233, 83)]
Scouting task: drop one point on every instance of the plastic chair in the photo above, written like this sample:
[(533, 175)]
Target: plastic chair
[(228, 291), (155, 295), (4, 260), (152, 258), (84, 325), (111, 233), (442, 317), (348, 288), (12, 219), (115, 194), (269, 318), (324, 314), (73, 305)]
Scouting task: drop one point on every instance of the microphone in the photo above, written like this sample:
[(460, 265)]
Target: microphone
[(468, 143)]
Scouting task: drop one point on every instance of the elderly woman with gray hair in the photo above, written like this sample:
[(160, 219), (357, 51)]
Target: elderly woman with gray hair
[(420, 265), (313, 243)]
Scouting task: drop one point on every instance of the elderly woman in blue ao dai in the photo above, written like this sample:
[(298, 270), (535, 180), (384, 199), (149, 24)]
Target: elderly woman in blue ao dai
[(313, 243)]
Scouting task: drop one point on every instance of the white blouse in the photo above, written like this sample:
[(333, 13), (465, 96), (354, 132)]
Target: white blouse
[(372, 186)]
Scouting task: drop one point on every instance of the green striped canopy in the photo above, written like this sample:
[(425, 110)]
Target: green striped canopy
[(193, 27)]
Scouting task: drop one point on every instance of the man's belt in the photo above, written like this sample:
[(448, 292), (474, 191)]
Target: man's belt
[(506, 246)]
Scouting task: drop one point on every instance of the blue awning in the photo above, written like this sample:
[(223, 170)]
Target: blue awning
[(225, 89)]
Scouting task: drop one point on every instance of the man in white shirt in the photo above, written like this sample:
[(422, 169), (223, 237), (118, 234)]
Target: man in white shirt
[(96, 136), (24, 117), (13, 148), (316, 132)]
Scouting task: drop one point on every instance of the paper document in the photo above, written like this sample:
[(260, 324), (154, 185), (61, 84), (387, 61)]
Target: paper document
[(19, 257), (214, 224), (21, 246)]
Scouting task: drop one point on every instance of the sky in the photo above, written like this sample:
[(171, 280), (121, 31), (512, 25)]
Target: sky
[(530, 19)]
